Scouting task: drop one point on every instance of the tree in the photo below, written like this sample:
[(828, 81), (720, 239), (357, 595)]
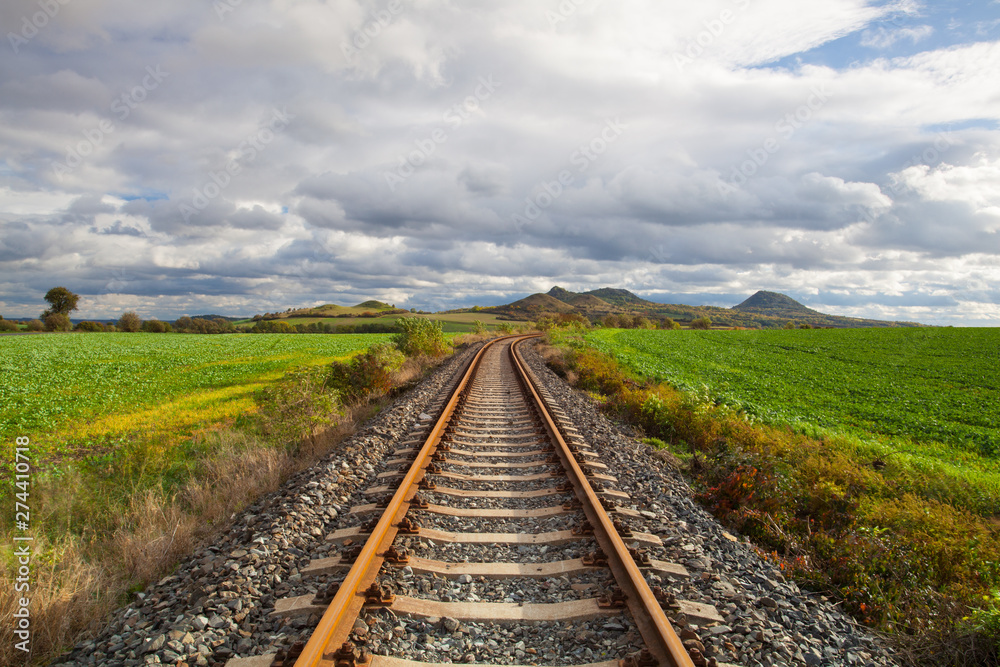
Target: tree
[(57, 322), (61, 300), (35, 325), (129, 322), (702, 323)]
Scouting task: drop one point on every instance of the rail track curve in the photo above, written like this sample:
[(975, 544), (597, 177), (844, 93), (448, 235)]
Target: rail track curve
[(496, 416)]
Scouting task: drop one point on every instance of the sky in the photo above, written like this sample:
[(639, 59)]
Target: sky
[(248, 156)]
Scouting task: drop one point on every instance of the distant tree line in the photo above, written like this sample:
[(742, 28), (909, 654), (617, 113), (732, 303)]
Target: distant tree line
[(283, 326), (626, 321)]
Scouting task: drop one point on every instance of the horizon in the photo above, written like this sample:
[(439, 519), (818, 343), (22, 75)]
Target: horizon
[(230, 157), (246, 316)]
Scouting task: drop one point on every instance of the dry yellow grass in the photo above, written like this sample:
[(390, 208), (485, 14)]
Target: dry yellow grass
[(80, 576)]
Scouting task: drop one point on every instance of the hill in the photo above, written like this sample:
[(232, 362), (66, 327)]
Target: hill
[(372, 304), (778, 305), (767, 310), (563, 295), (581, 301), (537, 304), (620, 297)]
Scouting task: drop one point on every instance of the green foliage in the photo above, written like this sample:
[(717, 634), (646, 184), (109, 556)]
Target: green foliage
[(35, 325), (420, 336), (61, 301), (936, 385), (156, 326), (986, 619), (904, 547), (8, 325), (298, 405), (367, 374), (48, 381), (702, 323), (216, 325), (92, 327), (506, 328), (130, 322), (479, 328), (57, 322)]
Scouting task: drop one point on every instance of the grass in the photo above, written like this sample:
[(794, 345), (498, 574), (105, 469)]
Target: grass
[(927, 385), (925, 398), (73, 394), (451, 322), (816, 447), (143, 445)]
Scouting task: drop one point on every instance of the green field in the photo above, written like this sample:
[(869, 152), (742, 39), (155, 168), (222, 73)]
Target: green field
[(71, 392), (925, 385), (451, 322)]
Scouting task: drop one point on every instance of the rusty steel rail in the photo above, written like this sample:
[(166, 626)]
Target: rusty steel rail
[(328, 647), (661, 640), (337, 622)]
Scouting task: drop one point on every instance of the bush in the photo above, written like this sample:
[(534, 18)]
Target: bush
[(479, 328), (298, 405), (129, 321), (8, 325), (57, 322), (420, 336), (367, 374), (216, 325), (35, 325), (702, 323), (670, 324), (155, 326), (89, 326)]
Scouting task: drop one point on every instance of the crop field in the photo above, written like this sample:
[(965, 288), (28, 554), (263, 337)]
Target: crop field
[(452, 322), (924, 385), (72, 393)]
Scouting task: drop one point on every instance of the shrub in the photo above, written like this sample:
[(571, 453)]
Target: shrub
[(89, 326), (702, 323), (129, 321), (57, 322), (420, 336), (506, 328), (298, 405), (7, 325), (367, 374), (669, 323), (155, 326), (479, 328), (35, 325)]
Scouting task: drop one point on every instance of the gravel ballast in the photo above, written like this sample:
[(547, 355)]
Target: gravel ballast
[(217, 604)]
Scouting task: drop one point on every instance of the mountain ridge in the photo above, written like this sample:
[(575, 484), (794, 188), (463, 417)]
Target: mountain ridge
[(763, 309)]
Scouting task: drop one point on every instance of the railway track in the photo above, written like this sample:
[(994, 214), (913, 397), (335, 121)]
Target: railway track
[(493, 516)]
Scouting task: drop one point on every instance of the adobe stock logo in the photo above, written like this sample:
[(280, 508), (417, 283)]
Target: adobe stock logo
[(31, 26), (248, 151), (456, 116), (122, 107), (363, 37), (785, 128), (549, 191)]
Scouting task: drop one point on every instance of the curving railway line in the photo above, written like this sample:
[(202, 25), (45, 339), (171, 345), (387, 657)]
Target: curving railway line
[(495, 515)]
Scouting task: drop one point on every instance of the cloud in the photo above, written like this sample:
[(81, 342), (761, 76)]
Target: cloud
[(402, 177), (884, 38)]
